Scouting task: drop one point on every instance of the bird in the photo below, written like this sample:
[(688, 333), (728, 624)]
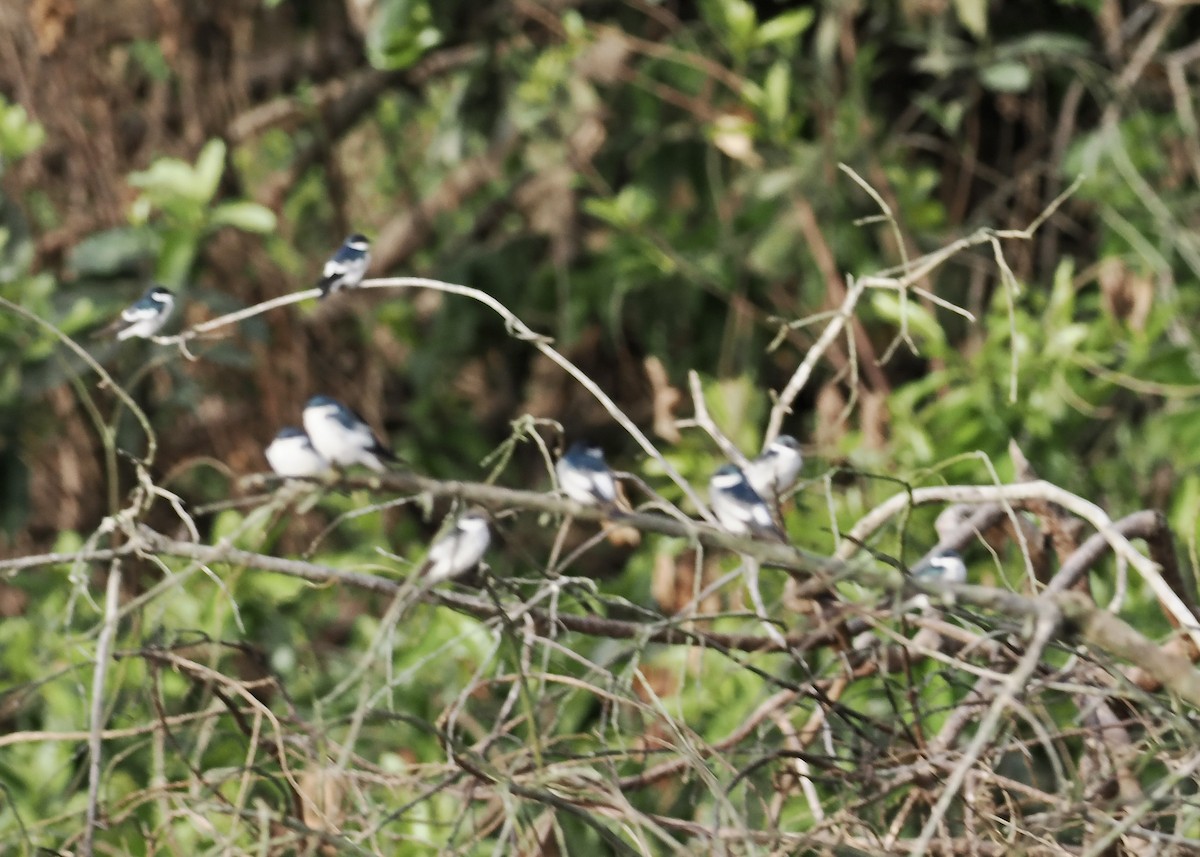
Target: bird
[(346, 267), (776, 470), (940, 566), (458, 549), (342, 437), (738, 507), (144, 317), (944, 566), (291, 454), (584, 476)]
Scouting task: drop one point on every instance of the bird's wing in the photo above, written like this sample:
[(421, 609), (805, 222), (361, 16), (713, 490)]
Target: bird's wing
[(734, 509), (760, 516), (140, 311), (455, 553), (574, 481), (604, 486), (443, 549), (352, 421)]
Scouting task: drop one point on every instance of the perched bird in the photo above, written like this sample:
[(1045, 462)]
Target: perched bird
[(774, 472), (346, 267), (584, 476), (342, 437), (291, 454), (459, 549), (144, 317), (944, 565), (738, 507)]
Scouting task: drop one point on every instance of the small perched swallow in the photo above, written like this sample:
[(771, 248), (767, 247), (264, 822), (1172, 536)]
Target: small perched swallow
[(291, 454), (346, 267), (774, 472), (459, 549), (584, 476), (342, 437), (945, 566), (144, 317), (738, 507)]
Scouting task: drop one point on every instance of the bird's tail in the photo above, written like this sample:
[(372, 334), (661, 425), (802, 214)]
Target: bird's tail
[(108, 331), (383, 457)]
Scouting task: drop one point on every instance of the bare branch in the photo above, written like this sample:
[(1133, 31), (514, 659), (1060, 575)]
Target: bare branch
[(112, 601), (783, 406), (769, 553)]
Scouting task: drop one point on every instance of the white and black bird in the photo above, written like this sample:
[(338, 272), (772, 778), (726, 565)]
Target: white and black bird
[(459, 549), (776, 470), (347, 266), (144, 317), (584, 476), (738, 507), (342, 437), (944, 566), (292, 455), (941, 566)]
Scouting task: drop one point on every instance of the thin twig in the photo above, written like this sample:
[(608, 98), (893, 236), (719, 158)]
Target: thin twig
[(771, 553), (1048, 621), (783, 405), (704, 419), (112, 599), (1038, 490)]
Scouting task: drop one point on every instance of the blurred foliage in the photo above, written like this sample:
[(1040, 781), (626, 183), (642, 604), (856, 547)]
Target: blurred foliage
[(184, 194), (639, 181)]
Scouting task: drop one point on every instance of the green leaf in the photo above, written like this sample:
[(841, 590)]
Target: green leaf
[(923, 326), (402, 31), (785, 27), (737, 405), (1056, 46), (209, 167), (1007, 76), (112, 252), (148, 54), (734, 22), (272, 588), (947, 113), (631, 207), (167, 179), (776, 92), (19, 135), (245, 215), (176, 257), (972, 14)]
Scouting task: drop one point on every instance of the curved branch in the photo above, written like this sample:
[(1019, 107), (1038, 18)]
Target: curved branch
[(783, 406), (1037, 490), (515, 326), (595, 626), (521, 331), (1096, 626), (770, 553), (1150, 525), (118, 390)]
